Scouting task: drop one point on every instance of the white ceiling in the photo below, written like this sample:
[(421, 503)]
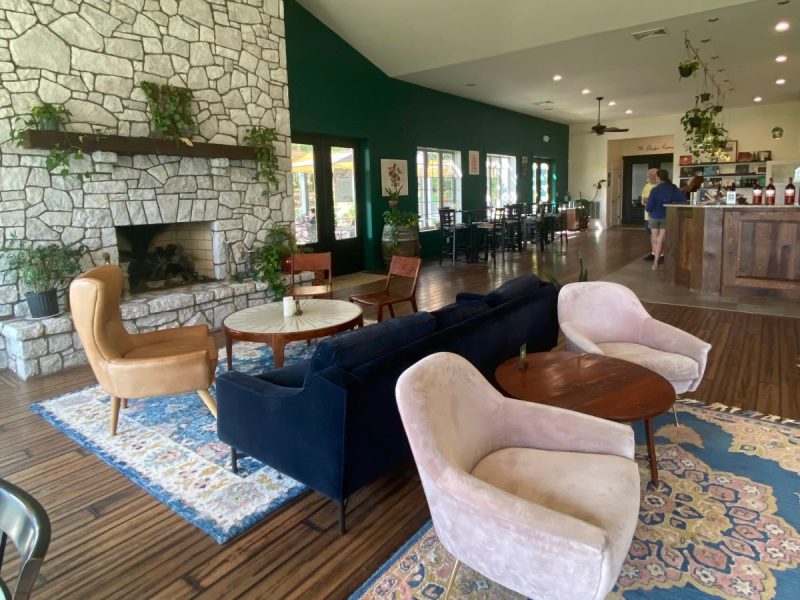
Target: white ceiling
[(510, 50)]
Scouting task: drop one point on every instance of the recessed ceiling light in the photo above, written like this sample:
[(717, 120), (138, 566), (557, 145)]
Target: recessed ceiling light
[(629, 112), (720, 70), (714, 57), (612, 103), (705, 40), (757, 99), (557, 78), (585, 91), (781, 58), (713, 19), (471, 84), (782, 26), (780, 81)]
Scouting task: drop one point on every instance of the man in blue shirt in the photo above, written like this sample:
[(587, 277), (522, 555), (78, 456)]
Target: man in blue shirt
[(664, 193)]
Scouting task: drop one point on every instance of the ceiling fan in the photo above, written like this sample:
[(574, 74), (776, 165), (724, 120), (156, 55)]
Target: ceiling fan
[(601, 129)]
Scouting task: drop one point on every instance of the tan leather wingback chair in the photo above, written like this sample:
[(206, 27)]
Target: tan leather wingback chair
[(169, 361)]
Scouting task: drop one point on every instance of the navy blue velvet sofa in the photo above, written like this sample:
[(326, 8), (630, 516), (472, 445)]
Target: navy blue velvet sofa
[(331, 422)]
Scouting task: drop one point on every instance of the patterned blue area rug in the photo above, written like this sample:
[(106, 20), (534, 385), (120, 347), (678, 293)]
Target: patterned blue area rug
[(723, 523), (169, 447)]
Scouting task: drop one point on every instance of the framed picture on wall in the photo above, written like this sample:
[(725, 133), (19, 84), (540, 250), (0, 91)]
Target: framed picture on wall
[(744, 157), (685, 159), (394, 176)]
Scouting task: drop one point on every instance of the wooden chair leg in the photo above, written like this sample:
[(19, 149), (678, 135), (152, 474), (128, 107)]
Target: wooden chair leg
[(124, 402), (209, 401), (114, 414), (414, 304), (391, 310), (452, 579), (380, 313)]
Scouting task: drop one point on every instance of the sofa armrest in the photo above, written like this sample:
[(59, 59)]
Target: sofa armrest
[(577, 342), (469, 297), (532, 425)]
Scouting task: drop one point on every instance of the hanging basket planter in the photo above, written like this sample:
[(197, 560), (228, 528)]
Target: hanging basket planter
[(705, 97), (688, 68)]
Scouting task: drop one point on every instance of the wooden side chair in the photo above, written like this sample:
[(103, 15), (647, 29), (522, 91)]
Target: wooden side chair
[(405, 268), (318, 261)]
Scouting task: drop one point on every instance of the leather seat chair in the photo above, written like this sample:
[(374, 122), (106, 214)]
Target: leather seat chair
[(540, 499), (157, 363)]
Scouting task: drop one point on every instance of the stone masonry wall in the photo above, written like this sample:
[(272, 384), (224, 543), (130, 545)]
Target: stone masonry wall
[(91, 56)]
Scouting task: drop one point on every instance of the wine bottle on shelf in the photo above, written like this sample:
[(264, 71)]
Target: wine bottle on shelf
[(769, 193), (758, 193), (788, 195)]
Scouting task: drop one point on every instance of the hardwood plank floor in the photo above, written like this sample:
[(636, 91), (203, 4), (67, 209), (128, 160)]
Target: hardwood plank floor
[(113, 540)]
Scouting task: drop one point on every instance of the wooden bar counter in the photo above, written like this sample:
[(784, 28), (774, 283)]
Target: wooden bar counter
[(730, 250)]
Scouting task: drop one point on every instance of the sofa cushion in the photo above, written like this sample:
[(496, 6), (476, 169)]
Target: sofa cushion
[(671, 366), (457, 312), (519, 286), (514, 288), (351, 349)]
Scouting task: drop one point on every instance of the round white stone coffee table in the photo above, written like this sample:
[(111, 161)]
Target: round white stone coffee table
[(265, 323)]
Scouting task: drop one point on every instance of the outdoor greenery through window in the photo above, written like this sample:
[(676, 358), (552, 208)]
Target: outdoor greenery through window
[(501, 180), (438, 183), (542, 182)]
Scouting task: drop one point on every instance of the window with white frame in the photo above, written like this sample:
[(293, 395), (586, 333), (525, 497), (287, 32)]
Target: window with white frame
[(501, 180), (438, 183)]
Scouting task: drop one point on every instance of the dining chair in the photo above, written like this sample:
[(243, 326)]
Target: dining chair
[(513, 219), (318, 262), (453, 236), (157, 363), (403, 271), (497, 234), (25, 522)]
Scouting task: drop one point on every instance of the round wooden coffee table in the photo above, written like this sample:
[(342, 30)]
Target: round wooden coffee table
[(265, 323), (596, 385)]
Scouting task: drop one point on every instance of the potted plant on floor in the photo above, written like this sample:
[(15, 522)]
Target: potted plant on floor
[(271, 260), (400, 229), (42, 271), (583, 213)]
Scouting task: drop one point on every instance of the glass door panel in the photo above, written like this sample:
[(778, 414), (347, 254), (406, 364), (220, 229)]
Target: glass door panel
[(638, 179), (344, 193), (305, 194)]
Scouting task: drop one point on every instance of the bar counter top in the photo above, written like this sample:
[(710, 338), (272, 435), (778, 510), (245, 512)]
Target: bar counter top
[(739, 249)]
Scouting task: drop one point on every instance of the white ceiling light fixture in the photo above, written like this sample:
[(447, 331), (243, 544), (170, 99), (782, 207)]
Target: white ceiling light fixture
[(782, 26), (557, 77), (781, 58), (612, 103), (757, 99), (780, 81), (586, 91)]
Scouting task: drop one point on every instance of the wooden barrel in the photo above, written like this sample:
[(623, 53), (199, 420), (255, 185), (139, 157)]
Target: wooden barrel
[(407, 243)]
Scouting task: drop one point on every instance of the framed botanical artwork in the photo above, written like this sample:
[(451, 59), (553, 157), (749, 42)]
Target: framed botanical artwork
[(764, 154), (685, 159), (394, 177), (744, 156), (731, 147)]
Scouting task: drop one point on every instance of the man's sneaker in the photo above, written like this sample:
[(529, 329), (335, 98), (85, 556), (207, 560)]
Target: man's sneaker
[(661, 260), (650, 257)]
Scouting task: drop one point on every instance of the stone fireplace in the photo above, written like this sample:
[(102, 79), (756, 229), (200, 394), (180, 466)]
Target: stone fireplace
[(91, 61)]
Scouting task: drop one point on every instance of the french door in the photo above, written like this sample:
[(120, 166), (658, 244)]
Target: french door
[(327, 213), (634, 176)]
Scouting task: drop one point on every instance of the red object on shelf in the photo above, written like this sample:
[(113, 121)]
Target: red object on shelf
[(788, 195), (769, 193)]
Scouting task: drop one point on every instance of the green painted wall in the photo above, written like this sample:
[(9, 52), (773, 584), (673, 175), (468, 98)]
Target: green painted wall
[(334, 90)]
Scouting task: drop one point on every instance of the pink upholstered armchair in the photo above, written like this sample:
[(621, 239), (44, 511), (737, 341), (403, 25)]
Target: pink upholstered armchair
[(607, 318), (539, 499)]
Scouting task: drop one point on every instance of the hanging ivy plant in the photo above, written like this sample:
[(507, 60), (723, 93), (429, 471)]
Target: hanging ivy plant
[(170, 109), (688, 67), (262, 140), (51, 117), (705, 135)]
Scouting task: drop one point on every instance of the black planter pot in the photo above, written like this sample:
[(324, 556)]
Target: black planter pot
[(42, 304)]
